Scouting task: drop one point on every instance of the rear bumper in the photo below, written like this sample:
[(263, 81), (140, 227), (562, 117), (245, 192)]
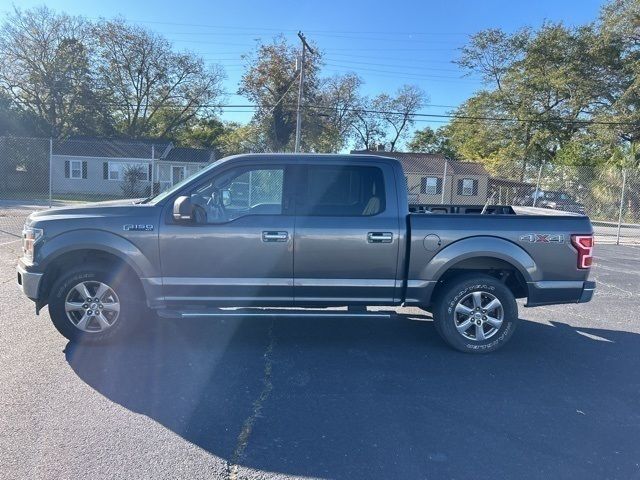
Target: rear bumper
[(587, 292), (556, 292), (29, 282)]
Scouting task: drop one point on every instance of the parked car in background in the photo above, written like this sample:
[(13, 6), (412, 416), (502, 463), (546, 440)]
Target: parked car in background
[(553, 199)]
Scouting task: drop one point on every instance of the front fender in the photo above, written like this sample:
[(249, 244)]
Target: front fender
[(88, 239)]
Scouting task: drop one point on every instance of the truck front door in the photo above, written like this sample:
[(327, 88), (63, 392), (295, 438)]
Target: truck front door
[(238, 250)]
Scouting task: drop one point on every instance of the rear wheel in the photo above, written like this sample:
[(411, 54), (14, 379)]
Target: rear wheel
[(476, 314), (94, 304)]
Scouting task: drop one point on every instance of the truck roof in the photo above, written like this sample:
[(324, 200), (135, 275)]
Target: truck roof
[(269, 157)]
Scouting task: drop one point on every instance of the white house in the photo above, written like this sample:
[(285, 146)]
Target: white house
[(97, 166)]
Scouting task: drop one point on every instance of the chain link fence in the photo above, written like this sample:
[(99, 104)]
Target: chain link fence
[(37, 173)]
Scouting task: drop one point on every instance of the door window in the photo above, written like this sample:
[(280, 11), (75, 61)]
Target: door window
[(239, 192), (335, 190)]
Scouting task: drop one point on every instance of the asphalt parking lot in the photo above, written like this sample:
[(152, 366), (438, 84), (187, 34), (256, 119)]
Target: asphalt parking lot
[(355, 399)]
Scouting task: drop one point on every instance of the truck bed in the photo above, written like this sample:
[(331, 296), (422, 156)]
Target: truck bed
[(529, 237), (490, 210)]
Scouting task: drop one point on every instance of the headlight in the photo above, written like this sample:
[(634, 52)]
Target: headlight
[(30, 237)]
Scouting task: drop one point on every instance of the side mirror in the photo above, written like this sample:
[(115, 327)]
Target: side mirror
[(226, 197), (182, 209)]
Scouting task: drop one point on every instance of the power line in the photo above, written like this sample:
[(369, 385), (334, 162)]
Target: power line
[(317, 32), (408, 74), (415, 115), (420, 66)]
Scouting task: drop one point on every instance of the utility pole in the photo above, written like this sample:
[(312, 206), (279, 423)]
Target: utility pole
[(305, 47)]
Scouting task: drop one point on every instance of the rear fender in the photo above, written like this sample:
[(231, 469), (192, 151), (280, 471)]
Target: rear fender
[(420, 290)]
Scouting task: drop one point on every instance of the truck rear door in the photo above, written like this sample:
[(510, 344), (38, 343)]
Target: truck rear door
[(346, 234)]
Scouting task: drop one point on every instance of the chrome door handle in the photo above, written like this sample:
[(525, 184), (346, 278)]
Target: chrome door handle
[(271, 236), (379, 237)]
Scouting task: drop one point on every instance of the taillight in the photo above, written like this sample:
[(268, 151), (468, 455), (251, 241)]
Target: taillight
[(584, 246)]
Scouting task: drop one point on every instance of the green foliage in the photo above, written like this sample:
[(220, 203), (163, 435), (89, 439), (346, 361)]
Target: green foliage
[(67, 75), (132, 181), (271, 82), (432, 141)]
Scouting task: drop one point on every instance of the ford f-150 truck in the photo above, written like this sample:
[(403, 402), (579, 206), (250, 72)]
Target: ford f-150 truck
[(306, 231)]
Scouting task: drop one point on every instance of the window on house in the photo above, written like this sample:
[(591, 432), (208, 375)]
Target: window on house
[(76, 169), (117, 170), (467, 187), (431, 186)]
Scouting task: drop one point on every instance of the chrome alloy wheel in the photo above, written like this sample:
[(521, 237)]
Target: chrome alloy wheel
[(478, 316), (92, 306)]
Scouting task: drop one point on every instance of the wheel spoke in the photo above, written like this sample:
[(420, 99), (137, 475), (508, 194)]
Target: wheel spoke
[(494, 322), (464, 326), (102, 289), (479, 332), (463, 310), (73, 306), (492, 305), (82, 290), (111, 307), (102, 320), (477, 299), (82, 324)]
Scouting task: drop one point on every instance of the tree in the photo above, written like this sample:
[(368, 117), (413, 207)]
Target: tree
[(131, 183), (397, 115), (152, 90), (45, 69), (366, 125), (271, 82), (386, 118), (432, 141), (239, 138), (338, 98), (203, 133), (544, 87)]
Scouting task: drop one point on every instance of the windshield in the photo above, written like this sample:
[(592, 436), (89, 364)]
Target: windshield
[(167, 193)]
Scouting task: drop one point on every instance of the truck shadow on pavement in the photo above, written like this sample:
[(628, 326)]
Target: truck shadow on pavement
[(382, 398)]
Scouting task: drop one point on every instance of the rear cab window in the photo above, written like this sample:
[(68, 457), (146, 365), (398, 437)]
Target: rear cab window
[(341, 190)]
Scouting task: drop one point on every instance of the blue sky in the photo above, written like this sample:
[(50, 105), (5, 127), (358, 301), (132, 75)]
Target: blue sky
[(387, 43)]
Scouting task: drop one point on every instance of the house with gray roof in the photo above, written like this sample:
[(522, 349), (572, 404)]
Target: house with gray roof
[(98, 166), (435, 178)]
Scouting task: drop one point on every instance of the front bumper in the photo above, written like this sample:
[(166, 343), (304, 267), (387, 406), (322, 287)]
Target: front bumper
[(555, 292), (29, 282)]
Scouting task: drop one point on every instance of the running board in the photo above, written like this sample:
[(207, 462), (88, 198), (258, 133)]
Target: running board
[(271, 313)]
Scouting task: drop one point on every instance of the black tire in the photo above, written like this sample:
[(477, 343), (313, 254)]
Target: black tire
[(129, 296), (460, 291)]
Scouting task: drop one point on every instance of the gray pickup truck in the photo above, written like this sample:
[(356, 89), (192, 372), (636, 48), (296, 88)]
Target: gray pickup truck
[(305, 231)]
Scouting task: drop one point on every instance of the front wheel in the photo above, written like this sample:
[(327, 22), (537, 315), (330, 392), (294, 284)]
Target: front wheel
[(94, 304), (476, 314)]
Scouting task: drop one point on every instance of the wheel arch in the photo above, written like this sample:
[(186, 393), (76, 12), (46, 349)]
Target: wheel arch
[(101, 247), (487, 255)]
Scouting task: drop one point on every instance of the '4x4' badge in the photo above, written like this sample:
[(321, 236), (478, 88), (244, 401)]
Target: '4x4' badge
[(542, 238)]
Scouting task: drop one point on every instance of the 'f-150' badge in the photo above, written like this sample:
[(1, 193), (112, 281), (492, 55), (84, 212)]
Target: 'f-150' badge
[(137, 228), (542, 238)]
